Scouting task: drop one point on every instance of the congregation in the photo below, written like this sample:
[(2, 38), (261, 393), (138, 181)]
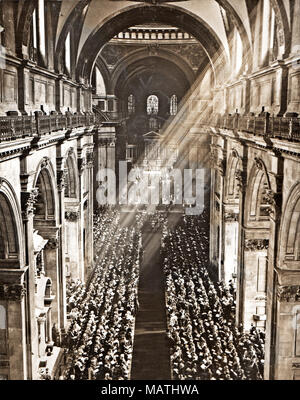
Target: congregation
[(204, 342), (100, 336)]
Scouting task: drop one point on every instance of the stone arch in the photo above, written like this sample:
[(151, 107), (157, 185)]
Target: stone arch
[(46, 204), (133, 15), (234, 164), (71, 179), (73, 19), (11, 227), (100, 63), (283, 29), (141, 54), (23, 30), (289, 238), (257, 205)]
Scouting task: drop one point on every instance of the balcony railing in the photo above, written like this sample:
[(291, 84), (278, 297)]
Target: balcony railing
[(15, 127), (263, 125)]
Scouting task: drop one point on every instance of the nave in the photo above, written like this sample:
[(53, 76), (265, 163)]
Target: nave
[(153, 309)]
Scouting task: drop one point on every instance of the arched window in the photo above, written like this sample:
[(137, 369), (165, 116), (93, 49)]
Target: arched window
[(152, 105), (38, 29), (173, 105), (68, 53), (131, 104)]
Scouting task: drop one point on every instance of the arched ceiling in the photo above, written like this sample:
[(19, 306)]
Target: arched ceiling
[(207, 13)]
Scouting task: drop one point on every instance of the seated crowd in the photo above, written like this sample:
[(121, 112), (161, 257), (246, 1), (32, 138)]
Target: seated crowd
[(154, 222), (205, 343), (99, 342)]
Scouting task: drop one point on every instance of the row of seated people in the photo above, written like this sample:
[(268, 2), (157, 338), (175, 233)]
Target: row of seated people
[(99, 342), (75, 292), (155, 221), (204, 340)]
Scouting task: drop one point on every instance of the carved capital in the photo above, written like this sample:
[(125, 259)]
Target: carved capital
[(273, 200), (81, 164), (28, 200), (71, 216), (12, 292), (52, 244), (256, 244), (61, 177), (231, 217), (259, 164), (288, 293), (45, 162), (241, 180)]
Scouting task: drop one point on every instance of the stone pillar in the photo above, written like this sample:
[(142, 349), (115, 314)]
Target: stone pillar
[(274, 199), (41, 320), (281, 88), (245, 109), (241, 178), (254, 282), (59, 93), (90, 210), (24, 86), (72, 217), (287, 348), (52, 267), (12, 291), (295, 37), (61, 254), (27, 203), (231, 229)]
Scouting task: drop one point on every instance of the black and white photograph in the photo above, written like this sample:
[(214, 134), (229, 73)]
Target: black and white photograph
[(149, 194)]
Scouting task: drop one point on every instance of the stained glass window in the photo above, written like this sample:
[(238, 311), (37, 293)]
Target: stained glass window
[(152, 105), (173, 105), (131, 104)]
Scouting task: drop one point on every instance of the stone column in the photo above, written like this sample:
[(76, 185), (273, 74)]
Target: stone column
[(41, 320), (61, 253), (72, 217), (295, 37), (281, 88), (28, 199), (241, 178), (59, 93), (90, 211), (24, 86), (12, 291), (274, 199), (287, 348), (254, 282), (230, 245), (52, 266)]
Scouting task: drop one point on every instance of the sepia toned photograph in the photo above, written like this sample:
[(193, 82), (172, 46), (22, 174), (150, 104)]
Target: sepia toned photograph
[(149, 193)]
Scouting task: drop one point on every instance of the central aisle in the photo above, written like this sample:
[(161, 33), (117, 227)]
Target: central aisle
[(151, 356)]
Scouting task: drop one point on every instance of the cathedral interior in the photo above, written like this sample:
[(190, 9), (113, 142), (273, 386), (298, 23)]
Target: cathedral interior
[(131, 290)]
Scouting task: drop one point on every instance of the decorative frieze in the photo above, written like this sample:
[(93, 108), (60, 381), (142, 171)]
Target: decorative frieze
[(14, 292), (288, 293), (71, 216), (256, 244)]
